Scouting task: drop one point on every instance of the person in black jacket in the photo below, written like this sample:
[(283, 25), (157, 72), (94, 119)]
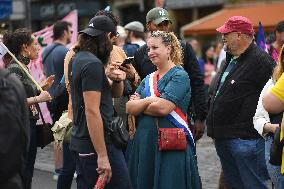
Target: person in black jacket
[(158, 19), (233, 102), (14, 129)]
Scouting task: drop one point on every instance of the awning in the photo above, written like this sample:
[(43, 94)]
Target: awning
[(268, 13), (182, 4)]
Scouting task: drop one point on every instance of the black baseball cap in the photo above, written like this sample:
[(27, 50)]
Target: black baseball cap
[(98, 25)]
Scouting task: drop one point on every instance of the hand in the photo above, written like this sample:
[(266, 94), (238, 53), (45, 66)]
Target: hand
[(43, 97), (129, 70), (104, 167), (198, 129), (135, 96), (270, 127), (274, 127), (115, 74), (47, 83)]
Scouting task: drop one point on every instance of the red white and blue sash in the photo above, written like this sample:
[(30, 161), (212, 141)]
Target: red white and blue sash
[(176, 116)]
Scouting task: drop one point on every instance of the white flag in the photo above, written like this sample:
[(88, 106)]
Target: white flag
[(3, 50)]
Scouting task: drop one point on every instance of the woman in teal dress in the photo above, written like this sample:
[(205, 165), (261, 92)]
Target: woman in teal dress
[(150, 168)]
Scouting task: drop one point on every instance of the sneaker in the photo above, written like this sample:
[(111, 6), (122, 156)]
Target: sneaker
[(75, 175), (55, 176)]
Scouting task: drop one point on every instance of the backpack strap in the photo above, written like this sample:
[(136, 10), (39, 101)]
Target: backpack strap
[(47, 54)]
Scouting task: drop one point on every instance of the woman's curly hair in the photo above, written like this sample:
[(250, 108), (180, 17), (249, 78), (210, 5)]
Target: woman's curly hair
[(170, 39), (14, 41)]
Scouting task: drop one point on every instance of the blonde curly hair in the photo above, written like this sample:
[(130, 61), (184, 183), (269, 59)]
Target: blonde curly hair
[(169, 39), (279, 69)]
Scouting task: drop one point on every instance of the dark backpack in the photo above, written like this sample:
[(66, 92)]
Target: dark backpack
[(14, 130)]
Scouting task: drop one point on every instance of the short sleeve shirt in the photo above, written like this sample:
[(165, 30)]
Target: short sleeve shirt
[(87, 73)]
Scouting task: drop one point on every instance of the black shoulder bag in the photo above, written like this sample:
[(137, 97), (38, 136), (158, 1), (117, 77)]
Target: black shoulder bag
[(43, 132), (276, 149), (118, 132)]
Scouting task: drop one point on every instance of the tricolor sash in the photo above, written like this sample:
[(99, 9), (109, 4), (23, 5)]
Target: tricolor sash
[(176, 116)]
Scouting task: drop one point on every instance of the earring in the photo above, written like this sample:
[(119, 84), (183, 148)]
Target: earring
[(27, 54)]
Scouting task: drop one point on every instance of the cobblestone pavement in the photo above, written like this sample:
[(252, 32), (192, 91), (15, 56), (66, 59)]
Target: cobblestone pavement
[(208, 162)]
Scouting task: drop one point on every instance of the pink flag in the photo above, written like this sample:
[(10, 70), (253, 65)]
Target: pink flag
[(44, 38)]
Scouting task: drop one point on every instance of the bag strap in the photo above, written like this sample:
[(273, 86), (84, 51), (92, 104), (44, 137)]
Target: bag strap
[(114, 112), (62, 81), (71, 75), (157, 124), (55, 45), (40, 113)]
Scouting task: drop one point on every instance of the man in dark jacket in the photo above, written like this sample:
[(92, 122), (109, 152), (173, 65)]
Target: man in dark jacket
[(233, 103), (158, 19)]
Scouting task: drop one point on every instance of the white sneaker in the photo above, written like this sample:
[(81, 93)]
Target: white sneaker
[(55, 176)]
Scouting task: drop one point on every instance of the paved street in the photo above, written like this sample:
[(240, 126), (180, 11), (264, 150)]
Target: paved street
[(44, 180), (208, 163)]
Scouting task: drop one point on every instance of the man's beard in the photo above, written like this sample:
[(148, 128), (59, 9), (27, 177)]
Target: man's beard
[(104, 57), (69, 40), (227, 48)]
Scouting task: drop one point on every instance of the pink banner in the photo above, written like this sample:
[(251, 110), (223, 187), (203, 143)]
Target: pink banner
[(44, 37)]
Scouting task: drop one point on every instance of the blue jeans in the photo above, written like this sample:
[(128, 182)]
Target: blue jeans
[(87, 175), (30, 163), (274, 171), (66, 173), (243, 162)]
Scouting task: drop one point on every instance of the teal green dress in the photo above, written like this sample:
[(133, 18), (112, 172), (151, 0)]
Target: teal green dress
[(150, 168)]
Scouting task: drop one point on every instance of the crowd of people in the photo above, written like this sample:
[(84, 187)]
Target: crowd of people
[(165, 95)]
